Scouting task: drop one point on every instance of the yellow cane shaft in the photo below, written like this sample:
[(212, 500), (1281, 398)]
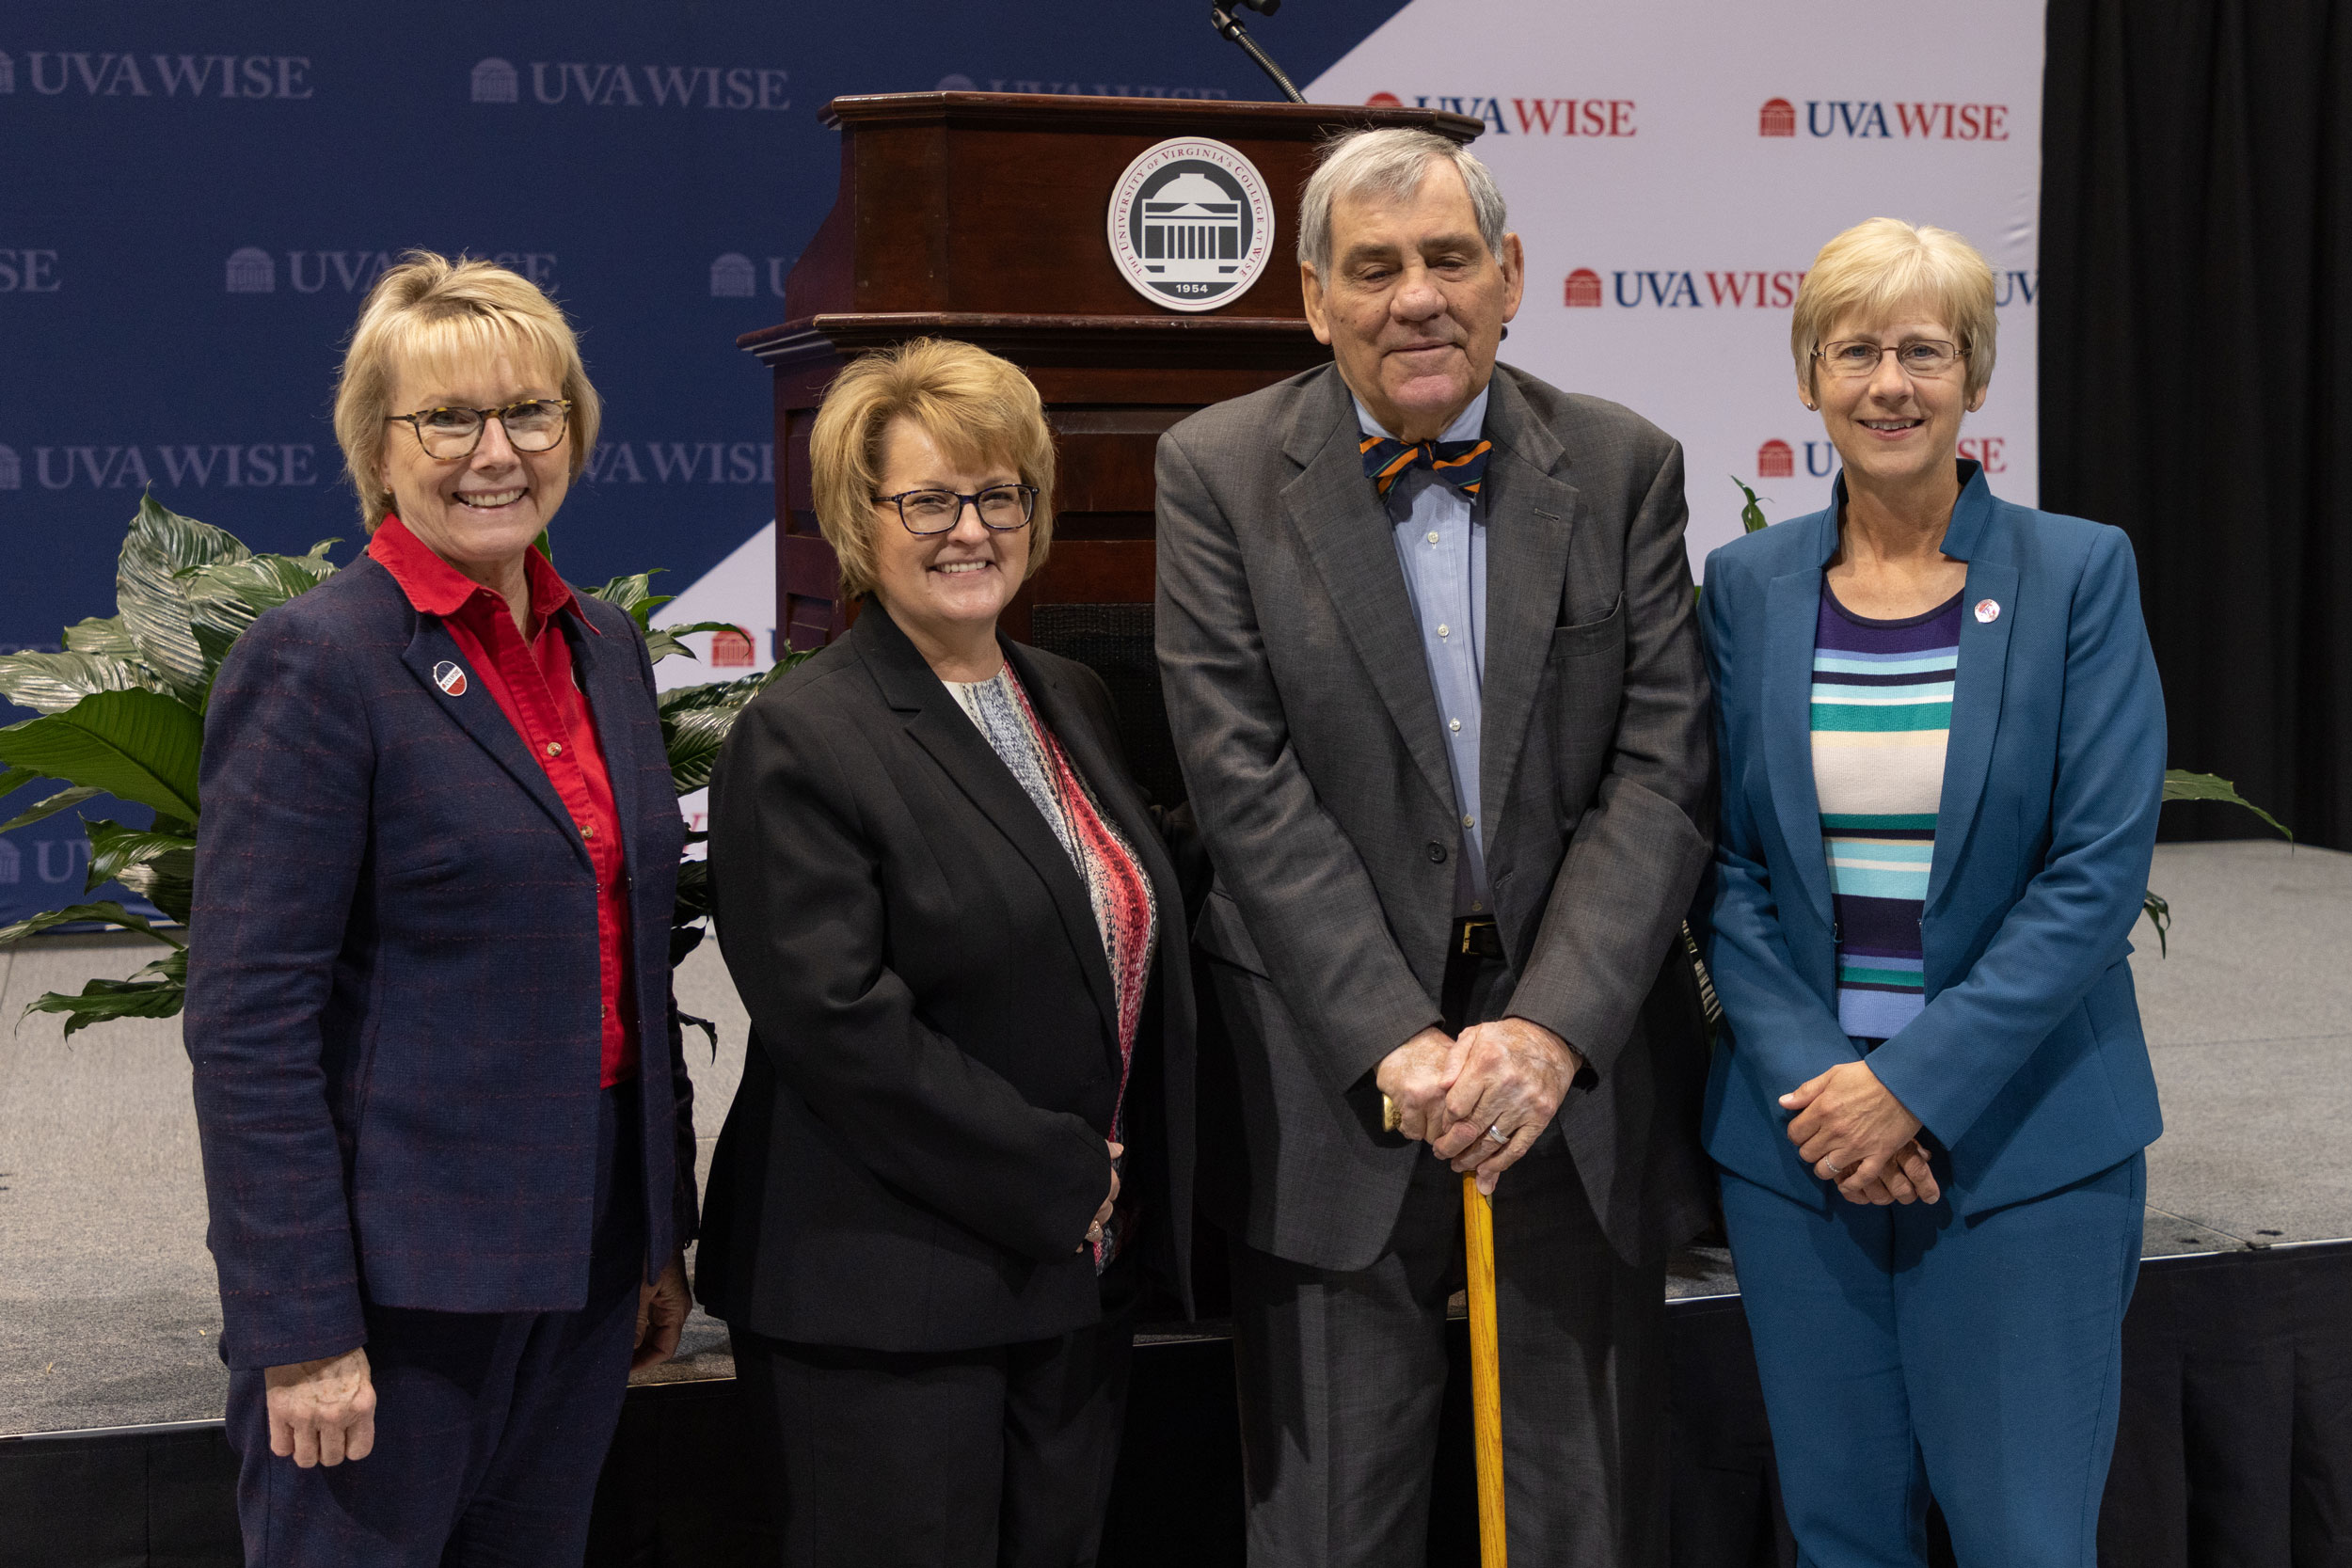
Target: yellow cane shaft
[(1478, 1226)]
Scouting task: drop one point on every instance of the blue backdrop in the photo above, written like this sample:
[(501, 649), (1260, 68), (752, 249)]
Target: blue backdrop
[(194, 201)]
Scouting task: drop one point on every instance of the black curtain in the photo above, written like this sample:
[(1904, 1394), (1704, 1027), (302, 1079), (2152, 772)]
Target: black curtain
[(2196, 369)]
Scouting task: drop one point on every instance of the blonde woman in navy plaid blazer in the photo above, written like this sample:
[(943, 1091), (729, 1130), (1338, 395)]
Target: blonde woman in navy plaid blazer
[(445, 1121)]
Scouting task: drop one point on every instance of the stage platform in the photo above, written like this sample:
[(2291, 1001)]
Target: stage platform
[(110, 1390)]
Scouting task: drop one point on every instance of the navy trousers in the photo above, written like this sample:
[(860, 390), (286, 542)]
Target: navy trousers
[(490, 1429), (1904, 1350)]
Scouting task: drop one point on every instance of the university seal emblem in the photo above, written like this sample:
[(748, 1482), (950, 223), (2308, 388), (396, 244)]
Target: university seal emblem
[(1191, 224)]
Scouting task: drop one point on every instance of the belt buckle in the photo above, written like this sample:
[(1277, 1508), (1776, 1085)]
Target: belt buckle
[(1470, 927)]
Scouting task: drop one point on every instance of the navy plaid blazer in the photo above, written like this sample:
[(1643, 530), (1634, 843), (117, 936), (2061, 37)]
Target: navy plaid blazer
[(394, 1008)]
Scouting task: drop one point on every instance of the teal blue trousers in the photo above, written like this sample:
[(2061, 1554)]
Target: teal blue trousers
[(1906, 1352)]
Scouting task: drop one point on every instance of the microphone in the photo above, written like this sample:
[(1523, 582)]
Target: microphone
[(1229, 27)]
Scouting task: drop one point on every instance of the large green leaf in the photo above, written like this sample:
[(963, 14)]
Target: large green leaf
[(160, 867), (157, 990), (64, 799), (696, 721), (167, 882), (1751, 515), (51, 683), (225, 598), (104, 909), (2182, 786), (2159, 915), (635, 594), (96, 636), (135, 745), (115, 848), (662, 642), (155, 606)]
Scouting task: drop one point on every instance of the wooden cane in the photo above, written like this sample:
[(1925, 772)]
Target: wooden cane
[(1478, 1233), (1478, 1229)]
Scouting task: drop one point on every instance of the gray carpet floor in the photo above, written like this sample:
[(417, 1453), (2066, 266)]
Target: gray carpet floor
[(107, 1311)]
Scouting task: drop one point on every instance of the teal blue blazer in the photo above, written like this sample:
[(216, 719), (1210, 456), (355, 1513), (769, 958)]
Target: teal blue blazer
[(2028, 1067)]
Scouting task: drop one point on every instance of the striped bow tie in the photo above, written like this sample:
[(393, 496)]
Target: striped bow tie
[(1460, 464)]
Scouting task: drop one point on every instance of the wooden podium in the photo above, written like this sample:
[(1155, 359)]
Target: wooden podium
[(984, 216)]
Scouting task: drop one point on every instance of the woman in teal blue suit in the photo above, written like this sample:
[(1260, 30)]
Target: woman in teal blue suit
[(1942, 744)]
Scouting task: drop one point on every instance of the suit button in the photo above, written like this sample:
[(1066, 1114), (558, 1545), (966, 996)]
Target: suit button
[(1437, 853)]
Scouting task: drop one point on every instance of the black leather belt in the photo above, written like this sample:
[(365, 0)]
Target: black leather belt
[(1475, 937)]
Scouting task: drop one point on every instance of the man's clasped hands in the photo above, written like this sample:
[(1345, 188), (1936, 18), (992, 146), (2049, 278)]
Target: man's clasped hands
[(1479, 1098)]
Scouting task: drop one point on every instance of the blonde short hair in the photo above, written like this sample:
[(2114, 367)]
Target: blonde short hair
[(976, 407), (1875, 268), (457, 311)]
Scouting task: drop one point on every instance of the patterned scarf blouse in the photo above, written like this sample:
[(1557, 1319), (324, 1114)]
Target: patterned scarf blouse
[(1124, 911)]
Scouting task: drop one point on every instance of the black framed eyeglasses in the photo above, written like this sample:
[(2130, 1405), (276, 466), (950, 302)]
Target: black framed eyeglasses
[(1852, 358), (1002, 507), (534, 425)]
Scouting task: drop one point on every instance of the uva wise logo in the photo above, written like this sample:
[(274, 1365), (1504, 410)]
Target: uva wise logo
[(240, 466), (1860, 120), (267, 464), (733, 275), (1760, 289), (611, 84), (30, 272), (1528, 117), (958, 82), (103, 73), (252, 270), (1777, 459)]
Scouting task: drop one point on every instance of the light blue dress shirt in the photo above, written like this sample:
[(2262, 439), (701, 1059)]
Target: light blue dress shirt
[(1441, 540)]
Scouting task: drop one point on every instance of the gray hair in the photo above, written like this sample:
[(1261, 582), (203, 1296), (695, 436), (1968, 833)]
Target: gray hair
[(1388, 163)]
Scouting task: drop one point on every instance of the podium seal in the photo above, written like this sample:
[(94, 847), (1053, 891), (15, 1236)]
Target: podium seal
[(1191, 224)]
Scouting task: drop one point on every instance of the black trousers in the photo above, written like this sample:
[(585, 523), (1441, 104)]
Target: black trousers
[(1343, 1374), (490, 1428), (957, 1459)]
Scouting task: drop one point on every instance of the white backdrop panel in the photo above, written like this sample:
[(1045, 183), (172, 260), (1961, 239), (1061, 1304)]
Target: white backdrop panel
[(1674, 166)]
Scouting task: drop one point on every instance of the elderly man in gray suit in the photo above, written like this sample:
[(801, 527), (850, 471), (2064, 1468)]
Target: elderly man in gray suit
[(1426, 630)]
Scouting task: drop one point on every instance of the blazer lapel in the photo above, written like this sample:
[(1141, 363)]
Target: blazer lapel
[(1349, 538), (1792, 610), (940, 726), (1978, 686), (477, 713), (1531, 518), (608, 668)]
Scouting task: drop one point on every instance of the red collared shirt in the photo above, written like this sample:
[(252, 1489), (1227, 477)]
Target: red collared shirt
[(536, 686)]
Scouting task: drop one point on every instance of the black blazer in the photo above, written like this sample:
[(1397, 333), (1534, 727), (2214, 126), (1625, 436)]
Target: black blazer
[(917, 1147)]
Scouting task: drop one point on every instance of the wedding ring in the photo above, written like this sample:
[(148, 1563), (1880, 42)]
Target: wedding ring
[(1497, 1134)]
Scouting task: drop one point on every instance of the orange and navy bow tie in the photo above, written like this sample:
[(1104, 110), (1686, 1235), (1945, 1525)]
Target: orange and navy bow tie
[(1460, 464)]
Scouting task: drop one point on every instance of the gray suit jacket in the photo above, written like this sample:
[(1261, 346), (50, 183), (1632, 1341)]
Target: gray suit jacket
[(1309, 736)]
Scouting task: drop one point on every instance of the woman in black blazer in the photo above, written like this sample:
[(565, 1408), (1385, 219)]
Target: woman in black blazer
[(964, 1129)]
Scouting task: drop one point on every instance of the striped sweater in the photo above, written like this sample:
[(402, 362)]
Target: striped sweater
[(1882, 713)]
